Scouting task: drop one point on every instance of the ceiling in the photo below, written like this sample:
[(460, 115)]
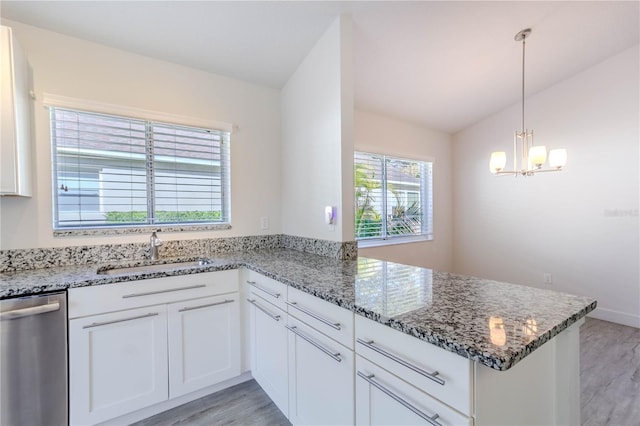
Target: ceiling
[(445, 65)]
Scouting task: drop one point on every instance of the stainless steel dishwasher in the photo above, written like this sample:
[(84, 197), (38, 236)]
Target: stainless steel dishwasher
[(33, 360)]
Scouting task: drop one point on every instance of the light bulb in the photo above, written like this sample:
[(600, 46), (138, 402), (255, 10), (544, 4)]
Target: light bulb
[(498, 161), (558, 158), (538, 155)]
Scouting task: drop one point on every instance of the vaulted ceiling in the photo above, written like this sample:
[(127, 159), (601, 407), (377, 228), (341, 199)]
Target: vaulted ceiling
[(444, 64)]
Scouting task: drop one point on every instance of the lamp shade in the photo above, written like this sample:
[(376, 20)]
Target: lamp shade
[(558, 158), (498, 161), (538, 155)]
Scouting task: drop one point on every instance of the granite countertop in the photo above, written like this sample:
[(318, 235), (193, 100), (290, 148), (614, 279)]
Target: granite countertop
[(496, 324)]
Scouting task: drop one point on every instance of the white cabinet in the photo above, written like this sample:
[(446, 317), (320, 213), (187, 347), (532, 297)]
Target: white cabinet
[(130, 348), (268, 345), (384, 399), (15, 127), (320, 378), (204, 342), (118, 363)]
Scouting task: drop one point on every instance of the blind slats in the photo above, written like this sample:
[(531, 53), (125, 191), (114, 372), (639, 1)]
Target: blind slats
[(107, 168)]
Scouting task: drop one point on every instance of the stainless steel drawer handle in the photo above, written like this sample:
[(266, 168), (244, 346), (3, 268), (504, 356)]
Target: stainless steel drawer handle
[(25, 312), (169, 290), (432, 376), (98, 324), (334, 355), (269, 292), (191, 308), (266, 311), (335, 325), (430, 419)]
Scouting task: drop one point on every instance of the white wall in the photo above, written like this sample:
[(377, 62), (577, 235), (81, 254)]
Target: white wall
[(317, 139), (76, 68), (382, 134), (580, 225)]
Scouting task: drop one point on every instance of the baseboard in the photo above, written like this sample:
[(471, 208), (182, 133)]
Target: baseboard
[(173, 403), (616, 316)]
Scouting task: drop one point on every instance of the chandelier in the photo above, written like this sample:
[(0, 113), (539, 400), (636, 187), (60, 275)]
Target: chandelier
[(532, 157)]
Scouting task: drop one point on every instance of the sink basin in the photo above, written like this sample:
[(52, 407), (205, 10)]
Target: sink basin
[(155, 267)]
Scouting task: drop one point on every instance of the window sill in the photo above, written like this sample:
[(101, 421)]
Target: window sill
[(393, 241), (142, 229)]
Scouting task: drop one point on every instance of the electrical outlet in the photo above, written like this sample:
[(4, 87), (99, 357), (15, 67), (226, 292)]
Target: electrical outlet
[(548, 279), (264, 222)]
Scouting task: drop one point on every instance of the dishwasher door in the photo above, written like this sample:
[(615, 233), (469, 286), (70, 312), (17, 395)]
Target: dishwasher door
[(33, 360)]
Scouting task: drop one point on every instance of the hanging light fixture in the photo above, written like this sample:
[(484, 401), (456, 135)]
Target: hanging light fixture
[(532, 157)]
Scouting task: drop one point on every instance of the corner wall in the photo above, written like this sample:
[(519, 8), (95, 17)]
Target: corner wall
[(580, 225), (71, 67), (317, 139)]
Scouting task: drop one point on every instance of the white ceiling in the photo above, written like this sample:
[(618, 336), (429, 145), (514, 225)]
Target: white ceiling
[(442, 64)]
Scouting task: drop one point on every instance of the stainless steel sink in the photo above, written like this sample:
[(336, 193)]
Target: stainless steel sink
[(155, 267)]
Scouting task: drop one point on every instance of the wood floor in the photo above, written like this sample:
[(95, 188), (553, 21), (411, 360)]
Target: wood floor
[(609, 374)]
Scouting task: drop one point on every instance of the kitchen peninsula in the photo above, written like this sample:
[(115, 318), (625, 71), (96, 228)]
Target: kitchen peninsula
[(516, 347)]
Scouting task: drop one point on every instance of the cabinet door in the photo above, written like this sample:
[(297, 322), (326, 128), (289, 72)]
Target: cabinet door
[(204, 342), (384, 399), (117, 363), (268, 337), (320, 378)]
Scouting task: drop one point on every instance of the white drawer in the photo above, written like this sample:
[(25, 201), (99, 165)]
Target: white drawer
[(271, 290), (415, 361), (330, 319), (84, 301), (382, 398)]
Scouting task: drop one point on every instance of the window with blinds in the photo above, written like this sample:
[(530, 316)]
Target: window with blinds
[(111, 171), (393, 197)]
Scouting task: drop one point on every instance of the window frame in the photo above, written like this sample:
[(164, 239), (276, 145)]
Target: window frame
[(426, 203), (223, 130)]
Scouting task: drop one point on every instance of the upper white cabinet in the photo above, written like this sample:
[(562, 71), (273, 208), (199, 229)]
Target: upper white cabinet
[(15, 145)]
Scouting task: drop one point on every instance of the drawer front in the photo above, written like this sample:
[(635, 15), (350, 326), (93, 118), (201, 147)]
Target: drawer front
[(330, 319), (382, 398), (84, 301), (271, 290), (417, 362)]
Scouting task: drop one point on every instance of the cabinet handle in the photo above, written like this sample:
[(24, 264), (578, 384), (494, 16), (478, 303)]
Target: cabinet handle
[(191, 308), (432, 376), (25, 312), (431, 419), (334, 355), (191, 287), (335, 325), (98, 324), (269, 292), (274, 316)]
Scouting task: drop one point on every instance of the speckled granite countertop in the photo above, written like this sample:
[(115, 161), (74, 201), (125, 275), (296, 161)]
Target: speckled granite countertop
[(494, 323)]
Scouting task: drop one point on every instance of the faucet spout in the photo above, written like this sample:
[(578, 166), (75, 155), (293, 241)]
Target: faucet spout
[(155, 243)]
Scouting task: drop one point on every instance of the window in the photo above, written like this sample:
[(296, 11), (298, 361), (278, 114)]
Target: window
[(393, 198), (113, 171)]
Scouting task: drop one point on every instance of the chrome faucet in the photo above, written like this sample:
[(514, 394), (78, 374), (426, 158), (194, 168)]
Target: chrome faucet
[(155, 243)]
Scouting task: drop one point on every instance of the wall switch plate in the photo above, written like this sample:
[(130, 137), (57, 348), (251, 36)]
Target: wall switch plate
[(548, 278)]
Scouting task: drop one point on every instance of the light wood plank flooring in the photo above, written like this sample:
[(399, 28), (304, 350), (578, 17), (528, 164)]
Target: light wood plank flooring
[(609, 374)]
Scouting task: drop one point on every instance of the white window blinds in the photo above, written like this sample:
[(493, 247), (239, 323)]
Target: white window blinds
[(118, 171), (393, 197)]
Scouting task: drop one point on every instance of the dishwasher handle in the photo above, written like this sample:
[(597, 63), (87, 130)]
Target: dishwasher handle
[(25, 312)]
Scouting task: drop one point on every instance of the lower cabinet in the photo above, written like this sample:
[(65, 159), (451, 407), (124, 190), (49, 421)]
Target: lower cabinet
[(204, 343), (268, 347), (384, 399), (320, 378), (118, 363), (181, 338)]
